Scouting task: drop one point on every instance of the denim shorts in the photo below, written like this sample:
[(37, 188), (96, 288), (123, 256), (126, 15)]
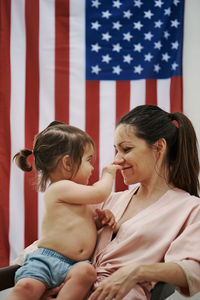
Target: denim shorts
[(46, 265)]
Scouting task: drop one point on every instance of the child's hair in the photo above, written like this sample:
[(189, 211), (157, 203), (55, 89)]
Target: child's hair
[(152, 123), (50, 145)]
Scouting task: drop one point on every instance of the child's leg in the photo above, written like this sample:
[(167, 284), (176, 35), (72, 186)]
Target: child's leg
[(27, 289), (78, 282)]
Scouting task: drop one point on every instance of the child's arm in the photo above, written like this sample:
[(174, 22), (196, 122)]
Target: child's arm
[(73, 193)]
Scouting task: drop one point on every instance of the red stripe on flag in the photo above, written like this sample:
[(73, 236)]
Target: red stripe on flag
[(5, 152), (31, 114), (92, 121), (151, 91), (176, 94), (62, 60), (122, 107)]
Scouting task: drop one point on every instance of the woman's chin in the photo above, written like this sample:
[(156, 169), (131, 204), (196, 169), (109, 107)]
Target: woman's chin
[(129, 181), (126, 181)]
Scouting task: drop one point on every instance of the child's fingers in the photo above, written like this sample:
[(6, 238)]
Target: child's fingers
[(112, 223), (105, 220), (100, 212)]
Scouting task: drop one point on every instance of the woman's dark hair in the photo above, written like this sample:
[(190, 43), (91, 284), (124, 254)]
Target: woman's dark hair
[(151, 123), (50, 145)]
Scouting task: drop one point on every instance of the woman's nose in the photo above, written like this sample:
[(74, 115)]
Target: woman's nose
[(119, 158)]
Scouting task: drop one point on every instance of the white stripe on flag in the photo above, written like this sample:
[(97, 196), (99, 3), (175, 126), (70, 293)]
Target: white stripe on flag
[(137, 93), (18, 56), (107, 122), (47, 75), (163, 93), (77, 64)]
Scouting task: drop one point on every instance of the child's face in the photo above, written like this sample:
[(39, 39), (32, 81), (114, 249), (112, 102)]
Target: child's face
[(86, 168)]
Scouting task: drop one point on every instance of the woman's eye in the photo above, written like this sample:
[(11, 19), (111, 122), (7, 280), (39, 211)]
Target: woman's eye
[(127, 149)]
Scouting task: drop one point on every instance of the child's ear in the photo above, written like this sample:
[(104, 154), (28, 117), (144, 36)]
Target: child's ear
[(66, 162)]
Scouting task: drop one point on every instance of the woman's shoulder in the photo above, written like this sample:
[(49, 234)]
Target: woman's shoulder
[(182, 195), (184, 203)]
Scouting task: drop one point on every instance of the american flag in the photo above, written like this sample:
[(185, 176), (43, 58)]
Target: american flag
[(85, 63)]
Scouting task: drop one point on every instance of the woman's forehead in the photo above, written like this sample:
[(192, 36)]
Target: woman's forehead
[(124, 130)]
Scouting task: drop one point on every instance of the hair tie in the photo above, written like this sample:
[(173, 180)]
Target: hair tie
[(173, 119), (175, 122)]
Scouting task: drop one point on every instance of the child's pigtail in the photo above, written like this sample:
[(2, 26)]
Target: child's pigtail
[(21, 160)]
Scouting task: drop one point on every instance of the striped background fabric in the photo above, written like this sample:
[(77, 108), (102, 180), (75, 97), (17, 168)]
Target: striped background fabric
[(45, 51)]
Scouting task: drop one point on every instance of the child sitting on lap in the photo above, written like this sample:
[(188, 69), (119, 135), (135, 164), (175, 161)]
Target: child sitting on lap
[(62, 157)]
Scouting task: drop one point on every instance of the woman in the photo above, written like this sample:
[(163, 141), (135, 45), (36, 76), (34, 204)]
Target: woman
[(158, 222)]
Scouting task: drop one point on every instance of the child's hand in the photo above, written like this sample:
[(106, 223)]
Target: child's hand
[(104, 217), (111, 168)]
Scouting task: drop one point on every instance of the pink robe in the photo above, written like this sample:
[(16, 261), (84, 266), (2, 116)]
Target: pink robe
[(166, 231)]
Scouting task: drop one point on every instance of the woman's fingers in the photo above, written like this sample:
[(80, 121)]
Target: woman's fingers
[(117, 285), (95, 294), (103, 294)]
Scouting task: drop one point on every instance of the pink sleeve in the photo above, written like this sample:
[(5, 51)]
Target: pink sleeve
[(185, 251)]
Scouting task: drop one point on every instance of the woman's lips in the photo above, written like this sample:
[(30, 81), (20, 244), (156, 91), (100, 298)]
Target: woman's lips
[(125, 168)]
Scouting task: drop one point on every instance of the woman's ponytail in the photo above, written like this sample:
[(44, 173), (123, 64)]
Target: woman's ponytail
[(184, 171)]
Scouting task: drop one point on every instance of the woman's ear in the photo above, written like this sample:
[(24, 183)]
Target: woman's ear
[(161, 145), (66, 162)]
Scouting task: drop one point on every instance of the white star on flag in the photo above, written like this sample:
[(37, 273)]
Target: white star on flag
[(127, 58), (96, 47), (117, 70), (96, 25), (138, 69), (96, 69), (106, 58)]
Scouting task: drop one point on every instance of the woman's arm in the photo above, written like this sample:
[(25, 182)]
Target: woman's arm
[(123, 280), (167, 272)]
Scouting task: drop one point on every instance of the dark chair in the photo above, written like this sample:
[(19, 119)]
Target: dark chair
[(161, 290), (7, 275)]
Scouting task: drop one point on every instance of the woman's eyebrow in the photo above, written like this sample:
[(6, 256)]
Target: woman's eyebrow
[(119, 145)]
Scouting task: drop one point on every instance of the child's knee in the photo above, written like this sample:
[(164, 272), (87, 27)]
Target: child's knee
[(24, 286), (89, 271), (85, 271), (30, 287)]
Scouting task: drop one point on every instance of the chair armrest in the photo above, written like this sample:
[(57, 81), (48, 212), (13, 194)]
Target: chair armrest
[(7, 275), (162, 290)]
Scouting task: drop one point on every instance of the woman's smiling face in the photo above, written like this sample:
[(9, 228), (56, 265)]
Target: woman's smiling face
[(136, 157)]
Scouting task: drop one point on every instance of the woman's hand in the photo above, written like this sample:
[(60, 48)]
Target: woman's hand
[(117, 285), (104, 217)]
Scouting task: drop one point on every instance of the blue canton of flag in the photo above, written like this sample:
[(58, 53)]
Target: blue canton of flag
[(128, 40)]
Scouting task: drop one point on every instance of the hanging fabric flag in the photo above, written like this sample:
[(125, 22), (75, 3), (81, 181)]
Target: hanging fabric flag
[(85, 63)]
